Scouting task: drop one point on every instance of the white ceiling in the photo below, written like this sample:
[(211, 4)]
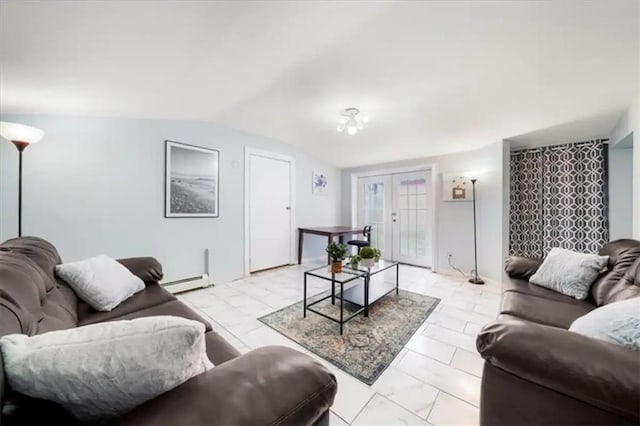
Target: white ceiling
[(434, 77)]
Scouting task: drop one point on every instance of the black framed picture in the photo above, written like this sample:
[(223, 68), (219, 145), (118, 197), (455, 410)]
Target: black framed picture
[(191, 180)]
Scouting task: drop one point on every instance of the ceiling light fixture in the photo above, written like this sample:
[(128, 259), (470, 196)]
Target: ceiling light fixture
[(352, 121)]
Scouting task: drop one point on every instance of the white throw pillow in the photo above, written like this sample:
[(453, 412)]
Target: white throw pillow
[(569, 272), (617, 322), (100, 281), (106, 369)]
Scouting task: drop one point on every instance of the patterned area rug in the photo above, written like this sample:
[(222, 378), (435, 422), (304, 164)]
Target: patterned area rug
[(368, 345)]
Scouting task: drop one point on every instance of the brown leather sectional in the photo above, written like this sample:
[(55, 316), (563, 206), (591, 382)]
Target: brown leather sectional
[(269, 385), (538, 373)]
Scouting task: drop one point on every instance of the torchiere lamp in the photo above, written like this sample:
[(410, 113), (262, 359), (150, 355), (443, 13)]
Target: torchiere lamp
[(475, 279), (21, 136)]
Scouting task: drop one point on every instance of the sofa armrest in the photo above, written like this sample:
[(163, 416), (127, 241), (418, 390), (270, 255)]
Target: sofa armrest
[(148, 269), (522, 267), (269, 385), (600, 373)]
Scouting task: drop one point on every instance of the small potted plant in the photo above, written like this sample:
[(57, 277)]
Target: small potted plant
[(354, 260), (337, 252), (376, 255), (367, 254)]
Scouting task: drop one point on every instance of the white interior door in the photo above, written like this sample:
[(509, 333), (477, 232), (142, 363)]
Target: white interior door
[(374, 208), (269, 212), (411, 231), (397, 208)]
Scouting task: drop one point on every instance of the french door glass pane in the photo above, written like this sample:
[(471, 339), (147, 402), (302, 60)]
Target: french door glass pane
[(374, 211), (413, 217)]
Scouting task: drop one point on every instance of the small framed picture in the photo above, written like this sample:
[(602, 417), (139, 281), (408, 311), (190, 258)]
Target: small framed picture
[(456, 187), (191, 180), (319, 183)]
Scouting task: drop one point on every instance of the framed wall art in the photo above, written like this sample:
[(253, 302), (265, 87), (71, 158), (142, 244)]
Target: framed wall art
[(191, 180), (319, 183), (456, 187)]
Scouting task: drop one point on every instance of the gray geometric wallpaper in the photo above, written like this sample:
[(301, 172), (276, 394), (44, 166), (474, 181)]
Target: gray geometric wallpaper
[(559, 199)]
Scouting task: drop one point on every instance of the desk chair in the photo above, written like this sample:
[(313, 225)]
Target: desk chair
[(366, 231)]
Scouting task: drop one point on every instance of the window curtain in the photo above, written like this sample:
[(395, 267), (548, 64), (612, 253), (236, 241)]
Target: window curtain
[(559, 199)]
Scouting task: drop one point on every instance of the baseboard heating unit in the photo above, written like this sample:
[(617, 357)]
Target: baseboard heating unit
[(186, 284)]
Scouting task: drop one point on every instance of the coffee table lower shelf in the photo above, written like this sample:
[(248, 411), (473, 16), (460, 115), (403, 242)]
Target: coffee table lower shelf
[(356, 293)]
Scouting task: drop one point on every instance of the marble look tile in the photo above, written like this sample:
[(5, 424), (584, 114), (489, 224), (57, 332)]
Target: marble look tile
[(424, 345), (472, 329), (381, 411), (406, 391), (352, 394), (446, 321), (398, 357), (466, 315), (448, 410), (265, 336), (469, 362), (444, 377), (487, 309), (451, 337), (335, 420), (244, 327)]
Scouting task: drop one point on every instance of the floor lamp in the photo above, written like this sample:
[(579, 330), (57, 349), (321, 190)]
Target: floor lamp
[(21, 136), (475, 279)]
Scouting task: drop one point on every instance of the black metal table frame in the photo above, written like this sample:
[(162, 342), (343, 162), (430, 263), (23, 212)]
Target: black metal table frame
[(366, 275), (307, 307)]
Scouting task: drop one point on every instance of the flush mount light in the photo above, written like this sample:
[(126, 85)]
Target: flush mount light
[(352, 121)]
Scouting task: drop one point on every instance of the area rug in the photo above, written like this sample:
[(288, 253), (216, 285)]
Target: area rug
[(368, 345)]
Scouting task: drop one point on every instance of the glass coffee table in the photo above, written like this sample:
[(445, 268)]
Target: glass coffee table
[(359, 294)]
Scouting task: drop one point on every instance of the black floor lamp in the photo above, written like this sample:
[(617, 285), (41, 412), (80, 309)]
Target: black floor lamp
[(21, 136), (475, 279)]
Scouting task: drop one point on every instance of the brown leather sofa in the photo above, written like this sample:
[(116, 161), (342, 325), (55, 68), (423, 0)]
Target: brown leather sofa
[(267, 386), (537, 372)]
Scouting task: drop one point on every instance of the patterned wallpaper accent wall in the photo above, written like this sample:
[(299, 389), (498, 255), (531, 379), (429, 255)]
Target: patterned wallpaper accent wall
[(559, 199)]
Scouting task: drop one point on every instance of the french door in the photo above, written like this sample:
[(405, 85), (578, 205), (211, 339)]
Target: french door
[(397, 208)]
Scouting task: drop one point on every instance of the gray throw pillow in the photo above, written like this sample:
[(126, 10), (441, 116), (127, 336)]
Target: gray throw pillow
[(569, 272), (617, 322)]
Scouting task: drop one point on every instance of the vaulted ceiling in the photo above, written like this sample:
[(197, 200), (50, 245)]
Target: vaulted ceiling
[(434, 76)]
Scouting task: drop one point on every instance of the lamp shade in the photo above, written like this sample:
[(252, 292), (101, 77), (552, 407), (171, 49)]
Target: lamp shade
[(20, 132)]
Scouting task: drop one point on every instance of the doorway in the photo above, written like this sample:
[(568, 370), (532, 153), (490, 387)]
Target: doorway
[(400, 209), (268, 210)]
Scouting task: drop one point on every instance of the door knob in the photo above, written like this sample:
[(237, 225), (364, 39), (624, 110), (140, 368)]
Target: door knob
[(288, 208)]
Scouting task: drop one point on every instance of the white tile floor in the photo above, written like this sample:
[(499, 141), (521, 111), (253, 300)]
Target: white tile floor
[(435, 379)]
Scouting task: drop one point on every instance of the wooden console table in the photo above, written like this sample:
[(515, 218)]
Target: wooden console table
[(328, 231)]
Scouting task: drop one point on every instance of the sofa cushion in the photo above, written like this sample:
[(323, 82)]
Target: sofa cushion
[(622, 254), (152, 295), (522, 267), (544, 311), (525, 287), (627, 287), (218, 349), (32, 301), (173, 307), (42, 252)]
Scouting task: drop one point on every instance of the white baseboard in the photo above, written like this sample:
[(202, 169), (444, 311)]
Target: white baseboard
[(186, 284)]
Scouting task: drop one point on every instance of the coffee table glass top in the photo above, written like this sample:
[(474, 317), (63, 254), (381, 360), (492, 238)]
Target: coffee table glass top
[(377, 267), (346, 275)]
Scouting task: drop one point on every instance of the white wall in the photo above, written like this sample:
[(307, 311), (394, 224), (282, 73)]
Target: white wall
[(629, 126), (621, 189), (97, 186), (635, 114), (455, 219)]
